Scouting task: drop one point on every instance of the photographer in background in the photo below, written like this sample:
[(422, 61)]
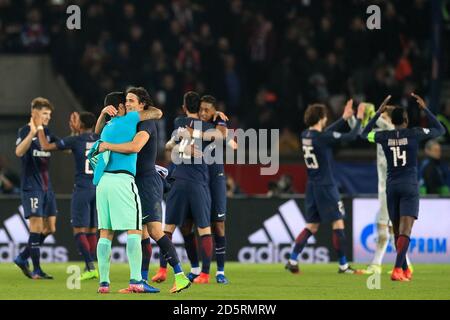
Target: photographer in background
[(433, 172)]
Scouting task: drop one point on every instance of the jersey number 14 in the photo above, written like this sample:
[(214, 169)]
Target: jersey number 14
[(398, 156)]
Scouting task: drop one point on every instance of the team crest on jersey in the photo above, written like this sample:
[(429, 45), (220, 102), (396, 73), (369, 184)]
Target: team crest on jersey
[(427, 131), (337, 135)]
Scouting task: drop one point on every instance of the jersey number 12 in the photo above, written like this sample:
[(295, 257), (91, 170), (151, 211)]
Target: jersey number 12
[(398, 156)]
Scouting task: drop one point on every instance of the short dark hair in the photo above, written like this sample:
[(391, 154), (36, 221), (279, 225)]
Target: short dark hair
[(209, 99), (40, 103), (143, 96), (399, 116), (87, 120), (191, 101), (114, 99), (314, 113)]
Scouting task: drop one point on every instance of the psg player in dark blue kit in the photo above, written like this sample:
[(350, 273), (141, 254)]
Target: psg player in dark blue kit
[(189, 196), (217, 188), (322, 196), (402, 191), (83, 207), (38, 198)]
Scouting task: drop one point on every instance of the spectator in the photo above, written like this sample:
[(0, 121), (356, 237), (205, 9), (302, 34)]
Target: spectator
[(298, 51), (433, 172), (9, 181), (282, 186), (444, 117), (289, 142), (188, 59), (34, 36), (232, 188)]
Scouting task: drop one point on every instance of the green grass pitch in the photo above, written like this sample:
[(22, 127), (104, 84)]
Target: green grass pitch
[(248, 281)]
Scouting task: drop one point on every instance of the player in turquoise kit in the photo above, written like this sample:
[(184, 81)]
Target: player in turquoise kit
[(118, 202), (150, 187)]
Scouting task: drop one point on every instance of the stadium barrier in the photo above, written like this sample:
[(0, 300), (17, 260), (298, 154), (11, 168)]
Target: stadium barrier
[(259, 230)]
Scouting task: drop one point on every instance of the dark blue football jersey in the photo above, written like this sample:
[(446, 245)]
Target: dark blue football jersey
[(401, 146), (35, 162), (317, 150), (80, 146), (194, 172), (217, 169), (147, 156)]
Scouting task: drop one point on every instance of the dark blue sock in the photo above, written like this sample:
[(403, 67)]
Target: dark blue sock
[(168, 252), (206, 252), (162, 259), (405, 263), (339, 244), (25, 253), (190, 244), (300, 243), (43, 237), (402, 249), (146, 257), (84, 249), (221, 244), (34, 243)]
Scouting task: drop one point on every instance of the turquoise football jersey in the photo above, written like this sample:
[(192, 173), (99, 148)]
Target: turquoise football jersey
[(121, 130)]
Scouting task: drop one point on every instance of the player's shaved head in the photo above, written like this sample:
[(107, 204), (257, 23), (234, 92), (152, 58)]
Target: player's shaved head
[(87, 120), (114, 99), (399, 116), (210, 100), (314, 113), (191, 101)]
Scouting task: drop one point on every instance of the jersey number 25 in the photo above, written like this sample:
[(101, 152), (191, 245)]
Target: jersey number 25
[(310, 157)]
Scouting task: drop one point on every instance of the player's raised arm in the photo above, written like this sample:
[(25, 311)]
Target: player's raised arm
[(45, 145), (210, 135), (74, 123), (190, 149), (139, 141), (221, 115), (334, 136), (436, 128), (353, 133), (151, 113), (24, 143), (346, 115), (109, 110), (61, 144), (366, 133)]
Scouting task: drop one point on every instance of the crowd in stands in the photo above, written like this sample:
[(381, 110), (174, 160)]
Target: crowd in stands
[(264, 60)]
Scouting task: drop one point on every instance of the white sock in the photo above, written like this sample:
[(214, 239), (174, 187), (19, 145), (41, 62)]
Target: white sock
[(343, 266), (382, 242), (196, 270), (220, 272), (293, 262), (408, 261)]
